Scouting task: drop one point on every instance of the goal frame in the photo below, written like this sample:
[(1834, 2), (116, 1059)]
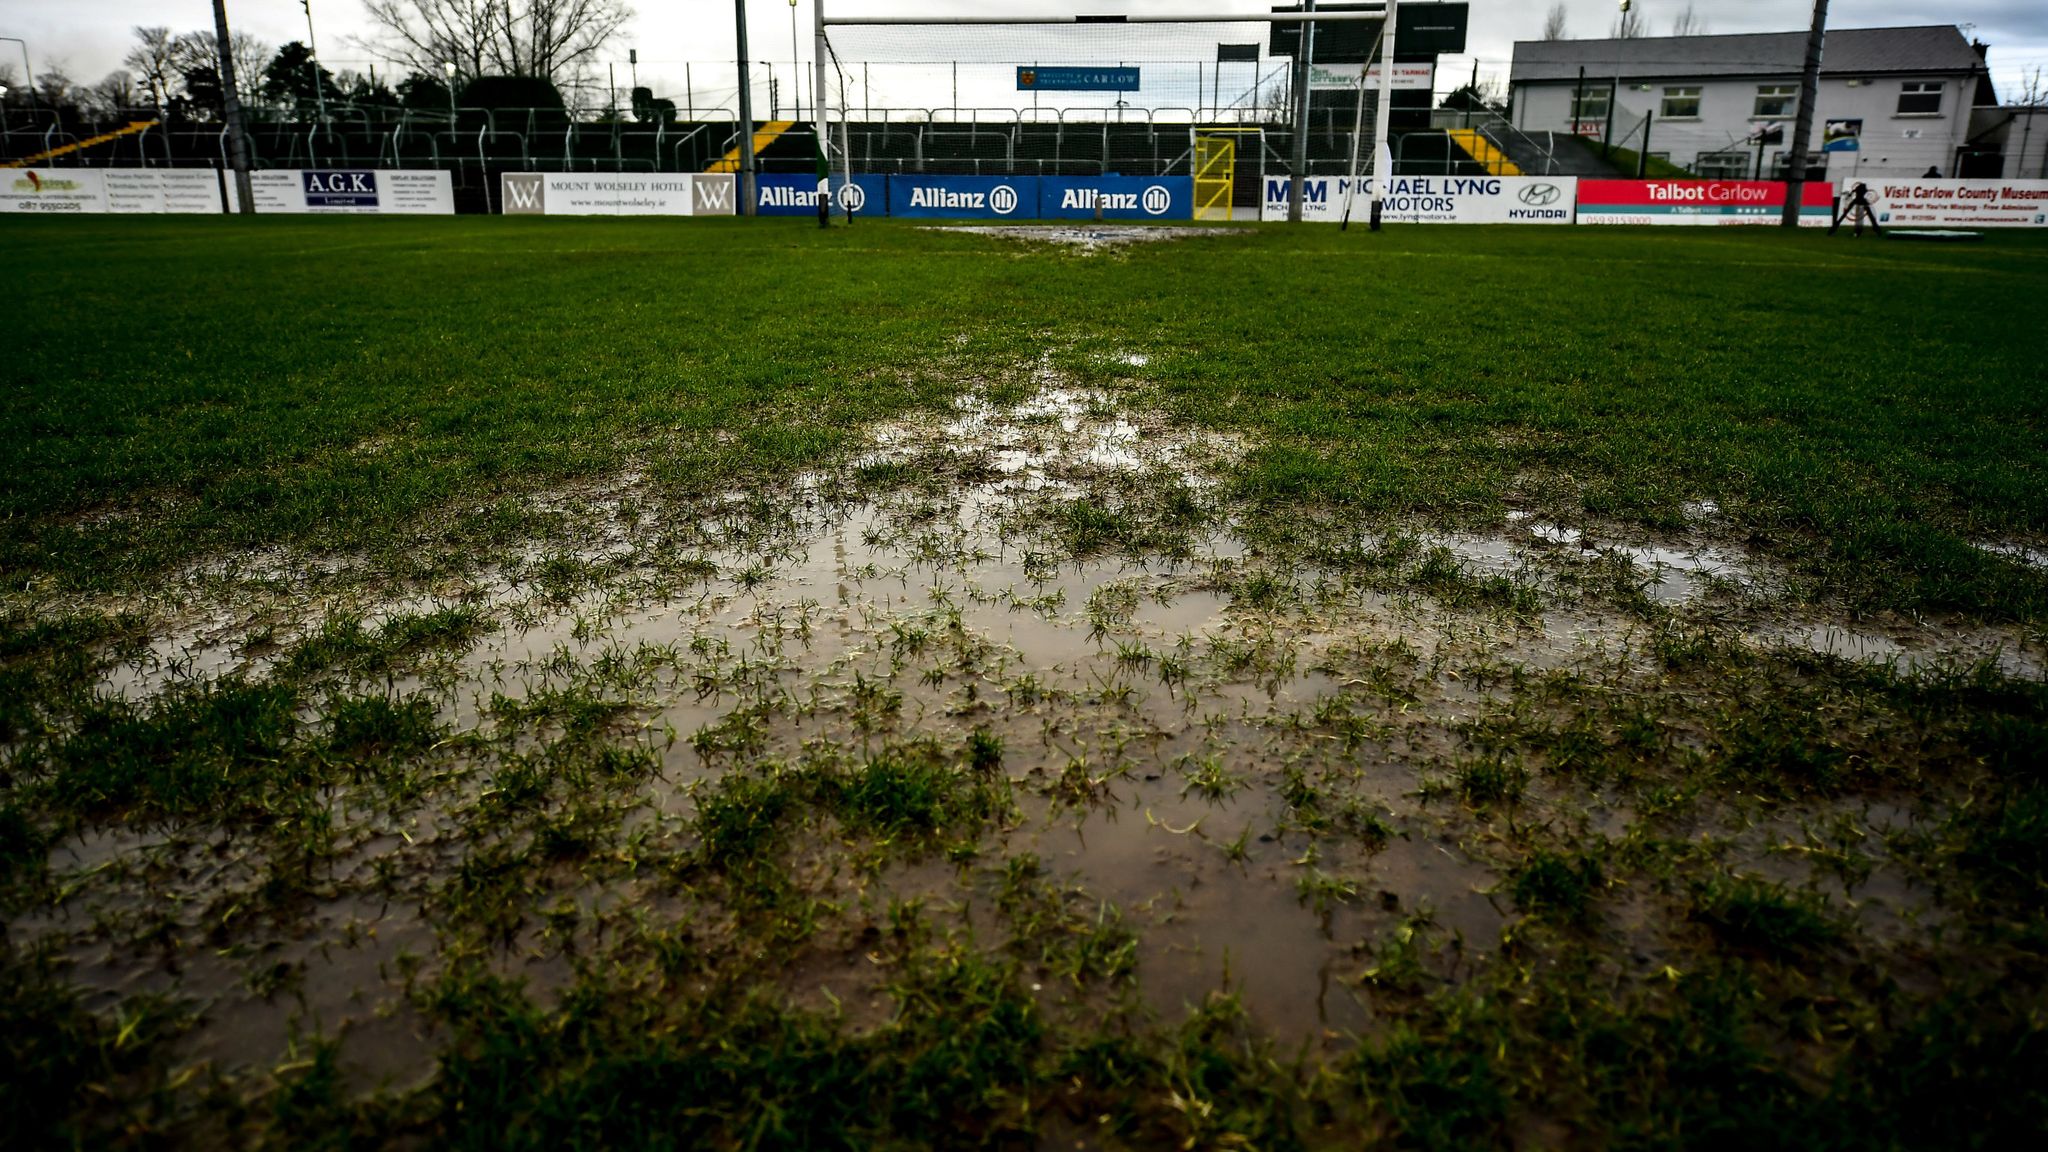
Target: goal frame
[(1387, 12)]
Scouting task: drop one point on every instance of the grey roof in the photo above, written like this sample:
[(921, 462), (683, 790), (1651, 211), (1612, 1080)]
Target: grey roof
[(1937, 48)]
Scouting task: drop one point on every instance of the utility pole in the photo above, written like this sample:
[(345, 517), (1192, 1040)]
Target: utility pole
[(749, 197), (1304, 50), (1809, 92), (238, 144)]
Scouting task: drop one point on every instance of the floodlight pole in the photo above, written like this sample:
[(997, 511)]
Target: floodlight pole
[(1304, 51), (313, 62), (28, 80), (1809, 93), (822, 122), (748, 196), (238, 145)]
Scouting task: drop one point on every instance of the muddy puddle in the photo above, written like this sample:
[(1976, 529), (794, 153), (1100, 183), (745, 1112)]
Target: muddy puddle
[(1088, 238), (1056, 577)]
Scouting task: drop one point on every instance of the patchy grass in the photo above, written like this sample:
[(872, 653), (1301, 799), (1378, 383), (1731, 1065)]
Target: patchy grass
[(718, 808)]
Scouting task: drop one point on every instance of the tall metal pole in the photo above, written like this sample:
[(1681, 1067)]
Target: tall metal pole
[(818, 90), (796, 70), (1304, 49), (1382, 145), (28, 79), (313, 62), (238, 145), (748, 195), (1809, 93)]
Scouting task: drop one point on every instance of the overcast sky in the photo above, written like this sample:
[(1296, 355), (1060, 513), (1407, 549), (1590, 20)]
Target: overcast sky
[(88, 37)]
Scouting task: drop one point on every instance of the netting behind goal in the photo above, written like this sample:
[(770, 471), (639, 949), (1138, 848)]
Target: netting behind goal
[(1214, 99)]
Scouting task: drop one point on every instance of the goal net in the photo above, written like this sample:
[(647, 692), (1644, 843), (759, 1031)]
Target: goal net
[(1224, 100)]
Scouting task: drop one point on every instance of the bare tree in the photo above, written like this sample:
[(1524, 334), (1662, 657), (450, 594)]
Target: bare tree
[(1632, 24), (111, 97), (546, 38), (154, 61), (1553, 22), (192, 51), (1689, 22)]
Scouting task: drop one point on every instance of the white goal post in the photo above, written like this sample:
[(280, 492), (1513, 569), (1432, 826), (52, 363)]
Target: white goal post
[(1384, 14)]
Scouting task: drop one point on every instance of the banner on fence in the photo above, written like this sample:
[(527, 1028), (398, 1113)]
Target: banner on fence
[(1344, 77), (1432, 199), (778, 194), (123, 190), (619, 194), (1959, 203), (361, 191), (1118, 198), (964, 197), (1700, 202)]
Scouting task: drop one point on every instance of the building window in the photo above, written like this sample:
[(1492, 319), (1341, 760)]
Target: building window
[(1920, 98), (1681, 103), (1722, 166), (1775, 101), (1590, 105)]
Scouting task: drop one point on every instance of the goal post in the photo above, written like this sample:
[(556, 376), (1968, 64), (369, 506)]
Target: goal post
[(975, 92)]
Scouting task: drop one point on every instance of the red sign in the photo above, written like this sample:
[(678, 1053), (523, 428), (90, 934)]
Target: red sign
[(1699, 202)]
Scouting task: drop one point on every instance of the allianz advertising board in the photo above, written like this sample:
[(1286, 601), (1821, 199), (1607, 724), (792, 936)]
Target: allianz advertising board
[(964, 197), (1433, 199), (1117, 198), (779, 194)]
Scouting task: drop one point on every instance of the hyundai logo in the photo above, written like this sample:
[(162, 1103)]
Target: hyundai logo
[(1157, 200), (1541, 195), (1003, 200)]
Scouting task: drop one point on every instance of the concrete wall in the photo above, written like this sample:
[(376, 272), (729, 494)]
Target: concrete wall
[(1892, 145)]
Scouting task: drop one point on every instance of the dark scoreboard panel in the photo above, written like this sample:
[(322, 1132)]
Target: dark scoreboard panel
[(1425, 31)]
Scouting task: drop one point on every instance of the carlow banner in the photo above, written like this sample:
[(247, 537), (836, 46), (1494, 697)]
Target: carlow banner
[(110, 190), (1432, 199), (362, 191), (1958, 203), (619, 194), (1700, 202)]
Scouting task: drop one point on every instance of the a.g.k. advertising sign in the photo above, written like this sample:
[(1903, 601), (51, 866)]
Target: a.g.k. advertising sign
[(366, 191), (1960, 203), (964, 197), (1433, 199), (1117, 198), (1700, 202)]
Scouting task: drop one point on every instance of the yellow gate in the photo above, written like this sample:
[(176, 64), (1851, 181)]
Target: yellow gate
[(1215, 173)]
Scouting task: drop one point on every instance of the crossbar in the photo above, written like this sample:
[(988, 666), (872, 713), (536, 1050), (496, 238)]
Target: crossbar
[(1131, 18)]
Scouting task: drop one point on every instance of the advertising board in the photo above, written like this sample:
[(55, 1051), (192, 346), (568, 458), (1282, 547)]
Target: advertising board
[(778, 194), (1118, 197), (619, 194), (1959, 203), (1433, 199), (964, 197), (1344, 77), (1700, 202), (361, 191), (119, 190)]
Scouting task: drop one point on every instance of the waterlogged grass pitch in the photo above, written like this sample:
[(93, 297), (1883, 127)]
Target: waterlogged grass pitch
[(538, 683)]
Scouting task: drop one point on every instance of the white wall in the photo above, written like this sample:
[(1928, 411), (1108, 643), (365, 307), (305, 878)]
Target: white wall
[(2026, 145), (1892, 145)]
